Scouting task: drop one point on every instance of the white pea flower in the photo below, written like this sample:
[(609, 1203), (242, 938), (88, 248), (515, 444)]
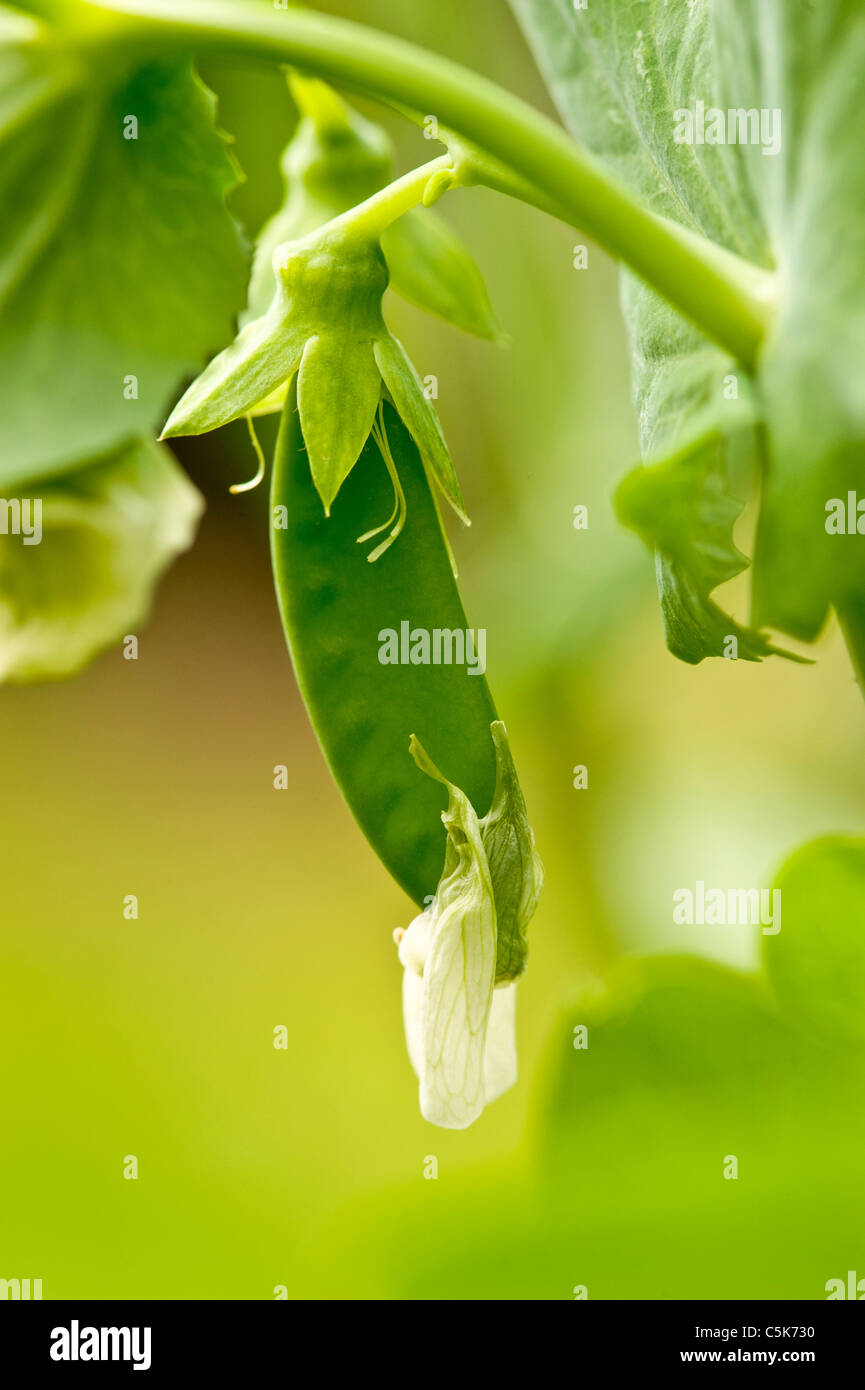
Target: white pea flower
[(459, 1022)]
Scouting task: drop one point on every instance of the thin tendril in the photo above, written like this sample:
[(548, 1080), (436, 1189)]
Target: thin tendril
[(259, 454), (396, 520), (445, 536), (377, 530)]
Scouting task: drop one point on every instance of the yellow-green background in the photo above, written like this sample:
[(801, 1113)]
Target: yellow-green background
[(260, 907)]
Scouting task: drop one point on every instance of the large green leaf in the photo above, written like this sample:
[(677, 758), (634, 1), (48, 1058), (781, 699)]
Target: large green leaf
[(120, 268), (619, 73), (807, 60), (107, 533)]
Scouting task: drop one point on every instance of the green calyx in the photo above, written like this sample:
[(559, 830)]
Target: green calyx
[(322, 266), (516, 871), (512, 862), (325, 326), (336, 157), (335, 161)]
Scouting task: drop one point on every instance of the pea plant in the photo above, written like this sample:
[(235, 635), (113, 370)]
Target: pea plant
[(712, 147)]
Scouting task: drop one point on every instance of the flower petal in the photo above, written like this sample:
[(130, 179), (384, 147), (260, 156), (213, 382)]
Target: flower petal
[(500, 1056), (414, 946), (459, 929), (412, 1017), (419, 418), (457, 996), (338, 391)]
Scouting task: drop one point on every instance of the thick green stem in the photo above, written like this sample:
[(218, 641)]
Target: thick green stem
[(729, 299), (475, 167), (491, 173)]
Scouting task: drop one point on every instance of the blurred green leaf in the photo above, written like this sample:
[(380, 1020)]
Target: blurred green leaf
[(108, 532), (694, 1144), (687, 1069), (669, 1071), (121, 268), (817, 961)]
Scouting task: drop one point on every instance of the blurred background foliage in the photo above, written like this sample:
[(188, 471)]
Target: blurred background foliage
[(305, 1167)]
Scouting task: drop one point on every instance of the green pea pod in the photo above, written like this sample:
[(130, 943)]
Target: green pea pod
[(338, 611)]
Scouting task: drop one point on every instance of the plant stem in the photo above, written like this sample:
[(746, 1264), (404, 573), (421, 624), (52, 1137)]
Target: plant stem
[(727, 298), (379, 211), (491, 173), (474, 166)]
